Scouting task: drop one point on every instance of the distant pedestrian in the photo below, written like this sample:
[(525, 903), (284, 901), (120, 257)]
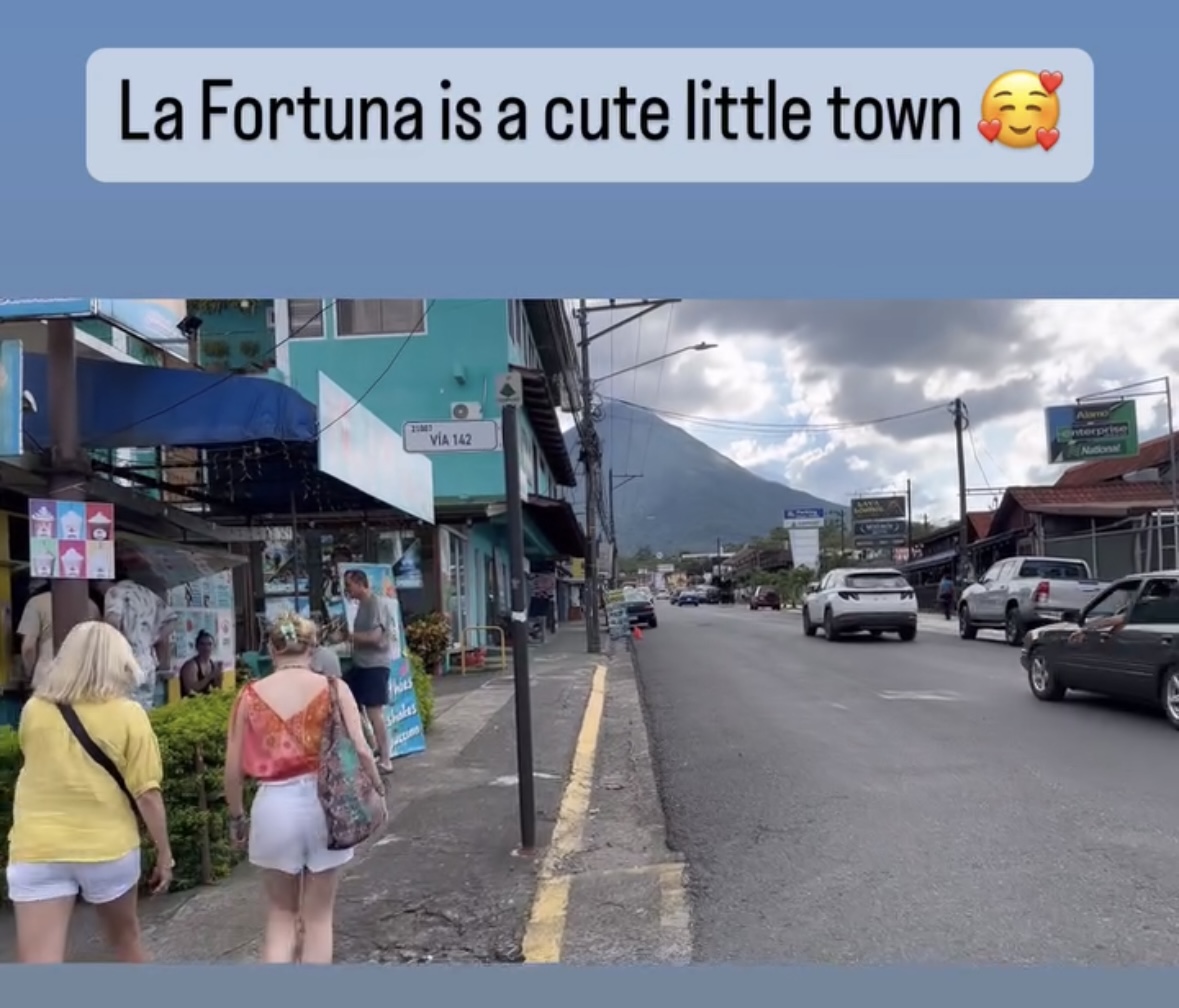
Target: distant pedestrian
[(141, 616), (201, 673), (36, 631), (74, 826), (276, 734), (945, 595)]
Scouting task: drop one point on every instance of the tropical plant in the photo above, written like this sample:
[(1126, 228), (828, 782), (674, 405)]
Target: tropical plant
[(428, 637)]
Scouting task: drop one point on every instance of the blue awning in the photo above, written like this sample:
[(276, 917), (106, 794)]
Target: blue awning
[(136, 406)]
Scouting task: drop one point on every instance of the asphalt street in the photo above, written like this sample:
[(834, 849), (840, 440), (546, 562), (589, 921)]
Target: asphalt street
[(874, 801)]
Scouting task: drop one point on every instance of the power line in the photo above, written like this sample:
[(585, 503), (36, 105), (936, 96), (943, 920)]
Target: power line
[(744, 426), (658, 387)]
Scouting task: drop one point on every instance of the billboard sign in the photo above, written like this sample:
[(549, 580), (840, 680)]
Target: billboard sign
[(870, 508), (1086, 432), (799, 518), (880, 522)]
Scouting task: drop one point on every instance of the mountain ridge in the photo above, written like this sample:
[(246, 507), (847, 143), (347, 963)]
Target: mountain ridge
[(689, 494)]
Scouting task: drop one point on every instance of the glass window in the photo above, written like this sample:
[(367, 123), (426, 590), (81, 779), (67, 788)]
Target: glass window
[(1053, 570), (876, 579), (1158, 603), (380, 318), (306, 318), (1114, 601)]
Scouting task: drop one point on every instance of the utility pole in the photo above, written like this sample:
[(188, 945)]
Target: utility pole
[(909, 520), (593, 461), (960, 421)]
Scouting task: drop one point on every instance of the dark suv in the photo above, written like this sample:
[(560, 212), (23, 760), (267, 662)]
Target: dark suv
[(764, 598)]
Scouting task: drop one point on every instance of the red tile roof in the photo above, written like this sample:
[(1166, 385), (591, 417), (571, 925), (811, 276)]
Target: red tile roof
[(1097, 498), (1152, 453)]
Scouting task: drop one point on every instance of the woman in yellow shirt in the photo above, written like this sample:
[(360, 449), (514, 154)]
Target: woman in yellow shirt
[(74, 830)]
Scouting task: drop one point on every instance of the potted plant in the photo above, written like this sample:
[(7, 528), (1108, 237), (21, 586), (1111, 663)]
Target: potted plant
[(429, 638)]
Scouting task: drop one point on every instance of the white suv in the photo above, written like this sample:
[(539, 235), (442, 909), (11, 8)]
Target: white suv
[(853, 599)]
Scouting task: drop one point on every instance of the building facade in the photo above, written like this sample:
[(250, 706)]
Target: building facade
[(418, 361)]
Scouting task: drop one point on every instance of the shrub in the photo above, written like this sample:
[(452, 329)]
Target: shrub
[(424, 689)]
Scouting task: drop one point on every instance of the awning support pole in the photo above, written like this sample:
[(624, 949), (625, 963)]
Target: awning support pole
[(69, 466)]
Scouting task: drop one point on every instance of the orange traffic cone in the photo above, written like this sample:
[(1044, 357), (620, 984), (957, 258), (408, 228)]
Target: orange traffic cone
[(637, 633)]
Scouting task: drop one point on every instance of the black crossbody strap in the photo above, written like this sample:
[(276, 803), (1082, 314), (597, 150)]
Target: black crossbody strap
[(94, 751)]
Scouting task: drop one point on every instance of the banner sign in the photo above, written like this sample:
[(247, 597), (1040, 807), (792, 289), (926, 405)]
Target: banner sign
[(617, 618), (1084, 432), (800, 518), (12, 397), (804, 547), (870, 508), (871, 534), (402, 717)]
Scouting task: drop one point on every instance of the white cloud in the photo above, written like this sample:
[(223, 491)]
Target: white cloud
[(823, 364)]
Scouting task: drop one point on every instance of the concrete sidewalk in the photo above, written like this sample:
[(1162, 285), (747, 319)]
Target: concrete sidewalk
[(445, 883)]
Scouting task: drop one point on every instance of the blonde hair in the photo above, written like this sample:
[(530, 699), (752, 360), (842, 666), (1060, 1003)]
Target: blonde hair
[(291, 635), (95, 662)]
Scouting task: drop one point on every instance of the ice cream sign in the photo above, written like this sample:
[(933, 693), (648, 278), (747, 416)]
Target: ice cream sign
[(72, 539)]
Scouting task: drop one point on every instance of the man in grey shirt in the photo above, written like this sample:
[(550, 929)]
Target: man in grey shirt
[(368, 676)]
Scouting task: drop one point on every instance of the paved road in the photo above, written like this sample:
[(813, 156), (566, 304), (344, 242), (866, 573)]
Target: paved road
[(873, 801)]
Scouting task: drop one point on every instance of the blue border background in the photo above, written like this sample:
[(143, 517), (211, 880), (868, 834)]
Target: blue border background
[(1112, 235)]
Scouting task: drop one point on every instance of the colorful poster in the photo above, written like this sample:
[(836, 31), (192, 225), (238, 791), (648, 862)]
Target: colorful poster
[(205, 604), (407, 571), (402, 718), (72, 540)]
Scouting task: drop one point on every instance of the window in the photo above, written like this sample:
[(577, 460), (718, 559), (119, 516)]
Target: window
[(1053, 570), (876, 579), (992, 574), (380, 318), (306, 318), (517, 324), (1113, 601), (1159, 603)]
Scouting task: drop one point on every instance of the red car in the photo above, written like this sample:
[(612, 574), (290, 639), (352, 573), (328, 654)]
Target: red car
[(764, 598)]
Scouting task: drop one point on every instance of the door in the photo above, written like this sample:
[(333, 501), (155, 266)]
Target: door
[(1088, 661), (1146, 643), (817, 601), (983, 603)]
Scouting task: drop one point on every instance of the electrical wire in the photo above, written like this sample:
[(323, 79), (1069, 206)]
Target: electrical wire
[(754, 427), (658, 388)]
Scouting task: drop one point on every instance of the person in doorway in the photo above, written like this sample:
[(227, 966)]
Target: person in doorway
[(74, 830), (945, 595), (141, 616), (36, 630), (201, 674), (368, 676), (275, 734)]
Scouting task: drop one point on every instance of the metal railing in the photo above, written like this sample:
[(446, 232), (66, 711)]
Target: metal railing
[(503, 646)]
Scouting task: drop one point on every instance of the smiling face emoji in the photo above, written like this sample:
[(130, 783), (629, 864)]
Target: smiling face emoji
[(1019, 102)]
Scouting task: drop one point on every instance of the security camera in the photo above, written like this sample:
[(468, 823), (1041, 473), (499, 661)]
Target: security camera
[(28, 402)]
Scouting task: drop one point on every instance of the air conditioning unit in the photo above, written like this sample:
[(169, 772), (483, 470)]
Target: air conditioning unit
[(466, 411)]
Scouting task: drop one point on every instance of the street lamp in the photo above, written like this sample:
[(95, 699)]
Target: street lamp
[(655, 360)]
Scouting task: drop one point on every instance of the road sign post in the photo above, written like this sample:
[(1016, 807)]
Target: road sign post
[(508, 393)]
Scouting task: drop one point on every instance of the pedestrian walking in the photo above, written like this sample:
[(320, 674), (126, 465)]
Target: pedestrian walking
[(945, 595), (36, 630), (91, 769), (276, 737)]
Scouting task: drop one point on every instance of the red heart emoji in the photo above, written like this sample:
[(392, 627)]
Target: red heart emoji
[(1047, 137), (1051, 79), (990, 130)]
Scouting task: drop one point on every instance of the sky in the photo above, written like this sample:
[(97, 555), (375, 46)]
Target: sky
[(799, 391)]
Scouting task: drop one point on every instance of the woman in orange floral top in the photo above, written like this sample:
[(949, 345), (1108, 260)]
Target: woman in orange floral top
[(275, 735)]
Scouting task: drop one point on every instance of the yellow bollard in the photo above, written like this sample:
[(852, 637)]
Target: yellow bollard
[(173, 695)]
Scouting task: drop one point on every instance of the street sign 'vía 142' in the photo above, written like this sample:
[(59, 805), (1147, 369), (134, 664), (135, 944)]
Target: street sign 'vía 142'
[(439, 436), (1084, 432)]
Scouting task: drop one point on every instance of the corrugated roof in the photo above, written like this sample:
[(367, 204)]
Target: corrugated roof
[(1152, 453), (1101, 497)]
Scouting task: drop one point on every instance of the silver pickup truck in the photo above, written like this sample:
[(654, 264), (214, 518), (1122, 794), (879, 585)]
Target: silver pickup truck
[(1022, 593)]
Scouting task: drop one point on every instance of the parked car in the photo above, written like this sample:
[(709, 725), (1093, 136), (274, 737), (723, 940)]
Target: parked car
[(1125, 644), (1023, 593), (640, 607), (764, 598), (851, 600)]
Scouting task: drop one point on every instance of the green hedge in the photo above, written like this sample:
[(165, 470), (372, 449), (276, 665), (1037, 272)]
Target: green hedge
[(192, 744)]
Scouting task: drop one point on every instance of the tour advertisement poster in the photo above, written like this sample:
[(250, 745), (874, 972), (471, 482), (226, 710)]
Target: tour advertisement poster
[(404, 721)]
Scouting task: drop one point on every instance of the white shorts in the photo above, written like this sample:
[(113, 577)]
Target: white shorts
[(98, 882), (288, 830)]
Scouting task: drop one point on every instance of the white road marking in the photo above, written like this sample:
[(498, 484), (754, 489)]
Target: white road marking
[(918, 695), (511, 780)]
